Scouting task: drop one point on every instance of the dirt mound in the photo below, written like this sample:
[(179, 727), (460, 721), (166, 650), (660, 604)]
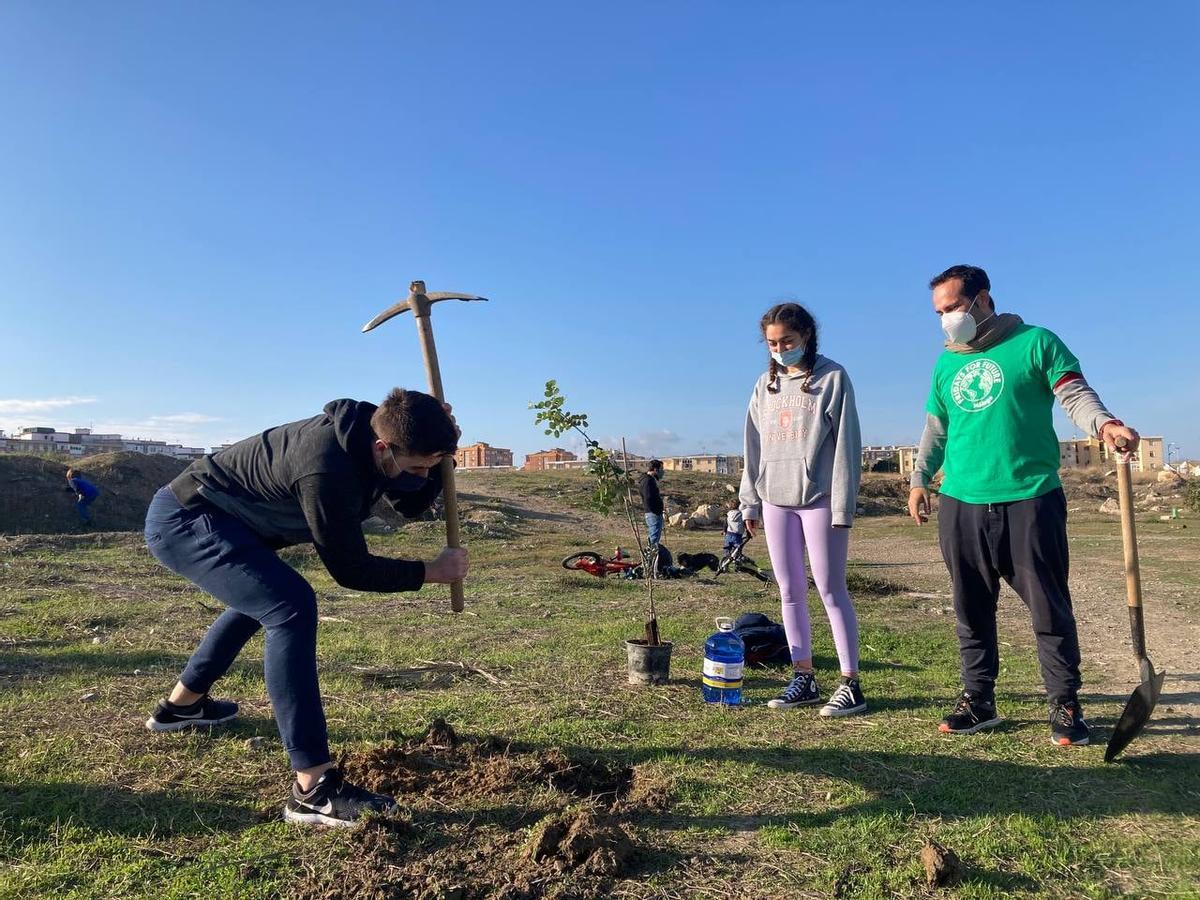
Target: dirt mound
[(35, 498), (881, 494), (439, 763), (484, 818)]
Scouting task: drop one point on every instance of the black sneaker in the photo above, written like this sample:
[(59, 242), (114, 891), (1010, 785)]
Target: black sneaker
[(205, 711), (334, 801), (972, 713), (803, 691), (847, 700), (1068, 728)]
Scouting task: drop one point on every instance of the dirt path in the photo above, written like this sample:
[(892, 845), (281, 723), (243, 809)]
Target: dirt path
[(1098, 591)]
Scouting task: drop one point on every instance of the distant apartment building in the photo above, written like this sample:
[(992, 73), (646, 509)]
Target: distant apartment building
[(899, 458), (558, 464), (715, 463), (619, 458), (536, 462), (1074, 454), (483, 456), (83, 442), (1085, 453)]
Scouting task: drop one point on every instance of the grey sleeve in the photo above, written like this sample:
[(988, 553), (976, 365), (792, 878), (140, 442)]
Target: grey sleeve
[(751, 504), (1082, 406), (847, 458), (930, 452)]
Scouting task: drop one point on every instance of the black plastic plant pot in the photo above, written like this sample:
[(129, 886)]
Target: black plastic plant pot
[(649, 664)]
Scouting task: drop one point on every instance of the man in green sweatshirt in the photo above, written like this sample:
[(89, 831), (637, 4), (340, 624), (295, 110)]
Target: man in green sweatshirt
[(1002, 513)]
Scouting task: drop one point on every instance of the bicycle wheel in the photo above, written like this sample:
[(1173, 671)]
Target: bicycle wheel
[(575, 561)]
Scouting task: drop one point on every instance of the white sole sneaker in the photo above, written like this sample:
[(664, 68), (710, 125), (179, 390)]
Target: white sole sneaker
[(832, 712), (989, 723), (153, 724), (299, 818), (783, 704), (1057, 743)]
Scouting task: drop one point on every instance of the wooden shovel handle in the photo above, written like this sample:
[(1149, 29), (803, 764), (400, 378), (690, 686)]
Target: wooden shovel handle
[(1133, 572)]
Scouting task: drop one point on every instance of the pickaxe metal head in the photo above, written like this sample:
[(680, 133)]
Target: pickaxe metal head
[(419, 302)]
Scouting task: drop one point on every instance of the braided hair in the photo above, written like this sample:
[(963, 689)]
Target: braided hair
[(795, 317)]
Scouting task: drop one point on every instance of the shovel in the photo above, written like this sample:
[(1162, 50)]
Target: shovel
[(1145, 695)]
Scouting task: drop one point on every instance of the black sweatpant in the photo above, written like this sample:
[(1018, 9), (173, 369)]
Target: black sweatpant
[(1025, 543)]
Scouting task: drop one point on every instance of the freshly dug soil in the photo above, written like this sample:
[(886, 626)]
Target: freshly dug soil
[(484, 818)]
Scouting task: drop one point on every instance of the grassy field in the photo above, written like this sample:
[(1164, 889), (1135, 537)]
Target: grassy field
[(717, 802)]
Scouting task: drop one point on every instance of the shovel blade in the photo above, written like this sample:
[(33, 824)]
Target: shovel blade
[(1137, 712)]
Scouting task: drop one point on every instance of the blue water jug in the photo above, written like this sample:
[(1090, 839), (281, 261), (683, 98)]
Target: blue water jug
[(724, 658)]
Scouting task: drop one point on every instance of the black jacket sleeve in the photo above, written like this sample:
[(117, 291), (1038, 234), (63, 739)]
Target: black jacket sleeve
[(331, 509), (651, 495), (411, 504)]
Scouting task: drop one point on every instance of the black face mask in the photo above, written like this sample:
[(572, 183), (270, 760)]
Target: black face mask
[(405, 481), (408, 482)]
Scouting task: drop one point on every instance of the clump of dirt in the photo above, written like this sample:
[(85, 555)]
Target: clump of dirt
[(485, 818), (942, 865), (439, 736), (586, 840)]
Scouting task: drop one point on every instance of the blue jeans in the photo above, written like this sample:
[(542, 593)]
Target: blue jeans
[(81, 507), (219, 554), (654, 528)]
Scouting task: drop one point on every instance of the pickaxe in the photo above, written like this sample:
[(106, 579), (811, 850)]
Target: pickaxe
[(419, 303)]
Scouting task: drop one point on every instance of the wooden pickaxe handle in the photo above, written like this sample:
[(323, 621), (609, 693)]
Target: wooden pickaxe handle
[(449, 494), (418, 303)]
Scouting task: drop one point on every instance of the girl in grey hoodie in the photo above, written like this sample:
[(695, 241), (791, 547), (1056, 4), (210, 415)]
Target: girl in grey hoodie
[(803, 453)]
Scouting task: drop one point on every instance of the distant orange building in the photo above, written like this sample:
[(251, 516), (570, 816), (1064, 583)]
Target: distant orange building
[(536, 462), (482, 455)]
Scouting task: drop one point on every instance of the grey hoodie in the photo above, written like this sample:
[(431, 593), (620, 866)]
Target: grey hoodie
[(802, 447)]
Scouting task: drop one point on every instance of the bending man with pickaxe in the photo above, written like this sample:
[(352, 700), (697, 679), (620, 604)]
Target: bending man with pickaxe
[(219, 523)]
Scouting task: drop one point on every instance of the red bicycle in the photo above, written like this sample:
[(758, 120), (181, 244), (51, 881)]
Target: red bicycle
[(595, 564)]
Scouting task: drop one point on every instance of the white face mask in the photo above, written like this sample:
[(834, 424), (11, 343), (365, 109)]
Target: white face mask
[(960, 327)]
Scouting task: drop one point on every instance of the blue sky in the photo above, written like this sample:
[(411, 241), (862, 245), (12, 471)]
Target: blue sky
[(201, 204)]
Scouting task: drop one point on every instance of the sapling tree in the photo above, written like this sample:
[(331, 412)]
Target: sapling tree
[(612, 483)]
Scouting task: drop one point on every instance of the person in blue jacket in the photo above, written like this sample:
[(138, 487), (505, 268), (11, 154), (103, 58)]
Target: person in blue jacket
[(85, 495)]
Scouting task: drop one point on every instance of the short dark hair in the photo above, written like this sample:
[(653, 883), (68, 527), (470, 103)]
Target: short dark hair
[(974, 279), (415, 423), (655, 465)]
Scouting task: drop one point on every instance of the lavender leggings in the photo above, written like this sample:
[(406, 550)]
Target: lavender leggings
[(789, 530)]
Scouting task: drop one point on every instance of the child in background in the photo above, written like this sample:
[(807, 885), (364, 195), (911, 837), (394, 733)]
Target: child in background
[(735, 528)]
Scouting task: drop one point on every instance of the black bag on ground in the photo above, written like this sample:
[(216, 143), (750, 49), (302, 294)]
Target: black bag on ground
[(766, 642)]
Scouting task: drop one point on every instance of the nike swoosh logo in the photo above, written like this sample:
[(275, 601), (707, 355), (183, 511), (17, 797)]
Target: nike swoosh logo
[(323, 810)]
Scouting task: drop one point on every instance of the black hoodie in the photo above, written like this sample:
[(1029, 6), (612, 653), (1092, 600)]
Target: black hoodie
[(313, 481)]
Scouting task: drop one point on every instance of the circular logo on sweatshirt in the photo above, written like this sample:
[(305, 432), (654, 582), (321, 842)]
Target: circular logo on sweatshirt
[(977, 385)]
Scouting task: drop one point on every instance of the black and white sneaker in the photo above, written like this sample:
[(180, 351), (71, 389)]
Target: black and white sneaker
[(972, 713), (1068, 728), (334, 801), (204, 712), (802, 691), (847, 700)]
